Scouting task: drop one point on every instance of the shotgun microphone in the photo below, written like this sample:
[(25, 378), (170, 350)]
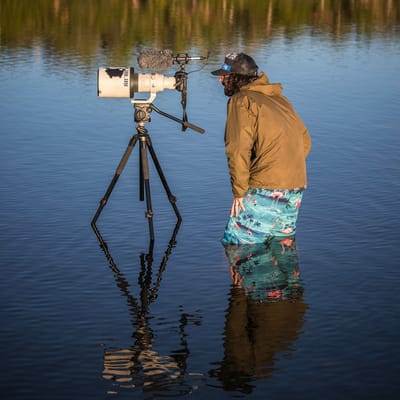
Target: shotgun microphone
[(162, 59), (155, 59)]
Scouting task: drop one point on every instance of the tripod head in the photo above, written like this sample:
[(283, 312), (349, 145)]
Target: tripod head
[(143, 110)]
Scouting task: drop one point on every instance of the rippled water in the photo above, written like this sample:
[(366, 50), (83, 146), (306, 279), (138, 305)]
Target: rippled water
[(79, 323)]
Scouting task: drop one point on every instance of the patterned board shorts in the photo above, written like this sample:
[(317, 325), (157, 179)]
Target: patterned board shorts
[(266, 271), (268, 214)]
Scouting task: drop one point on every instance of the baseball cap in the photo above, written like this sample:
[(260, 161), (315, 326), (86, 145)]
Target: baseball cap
[(237, 63)]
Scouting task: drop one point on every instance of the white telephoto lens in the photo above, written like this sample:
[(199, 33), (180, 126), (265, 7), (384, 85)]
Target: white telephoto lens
[(115, 82), (155, 83)]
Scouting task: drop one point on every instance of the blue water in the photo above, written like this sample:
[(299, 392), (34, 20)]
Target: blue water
[(65, 312)]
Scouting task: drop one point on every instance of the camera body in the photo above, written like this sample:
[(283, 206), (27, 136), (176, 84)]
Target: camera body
[(123, 82)]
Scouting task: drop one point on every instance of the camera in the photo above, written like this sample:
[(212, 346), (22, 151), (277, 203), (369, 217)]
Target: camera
[(123, 82)]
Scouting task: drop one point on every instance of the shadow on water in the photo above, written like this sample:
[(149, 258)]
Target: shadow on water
[(265, 315), (140, 366)]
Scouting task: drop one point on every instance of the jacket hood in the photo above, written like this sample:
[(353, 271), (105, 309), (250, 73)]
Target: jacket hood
[(262, 84)]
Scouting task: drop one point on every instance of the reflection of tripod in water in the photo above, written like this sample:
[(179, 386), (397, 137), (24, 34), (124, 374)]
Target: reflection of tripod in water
[(142, 115), (142, 366)]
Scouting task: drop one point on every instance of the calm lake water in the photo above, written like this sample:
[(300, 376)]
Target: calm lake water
[(77, 323)]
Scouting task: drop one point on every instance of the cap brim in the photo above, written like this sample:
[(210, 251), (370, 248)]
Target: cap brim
[(219, 72)]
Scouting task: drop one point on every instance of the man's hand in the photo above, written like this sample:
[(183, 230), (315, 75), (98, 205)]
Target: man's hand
[(236, 205)]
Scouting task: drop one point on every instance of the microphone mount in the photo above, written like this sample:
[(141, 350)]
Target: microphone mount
[(185, 58), (181, 77), (153, 59)]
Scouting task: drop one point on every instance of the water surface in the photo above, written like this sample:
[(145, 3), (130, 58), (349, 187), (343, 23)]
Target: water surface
[(319, 321)]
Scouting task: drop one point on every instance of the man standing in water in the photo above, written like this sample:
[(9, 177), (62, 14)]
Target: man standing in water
[(266, 147)]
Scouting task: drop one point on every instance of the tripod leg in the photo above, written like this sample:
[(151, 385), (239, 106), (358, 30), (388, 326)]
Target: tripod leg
[(114, 180), (141, 179), (171, 197), (146, 181)]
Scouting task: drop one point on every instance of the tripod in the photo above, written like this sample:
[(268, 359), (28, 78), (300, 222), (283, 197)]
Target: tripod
[(141, 116)]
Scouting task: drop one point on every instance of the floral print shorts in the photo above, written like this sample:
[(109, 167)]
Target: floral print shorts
[(268, 214), (266, 271)]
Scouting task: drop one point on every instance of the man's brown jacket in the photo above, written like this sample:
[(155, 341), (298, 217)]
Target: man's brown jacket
[(266, 141)]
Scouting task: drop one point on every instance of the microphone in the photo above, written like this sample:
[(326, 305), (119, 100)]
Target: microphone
[(155, 59), (162, 59)]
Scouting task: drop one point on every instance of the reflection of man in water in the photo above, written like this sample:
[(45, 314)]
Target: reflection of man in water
[(265, 313)]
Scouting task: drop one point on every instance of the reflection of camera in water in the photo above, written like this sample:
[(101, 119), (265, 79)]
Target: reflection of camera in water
[(124, 82)]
